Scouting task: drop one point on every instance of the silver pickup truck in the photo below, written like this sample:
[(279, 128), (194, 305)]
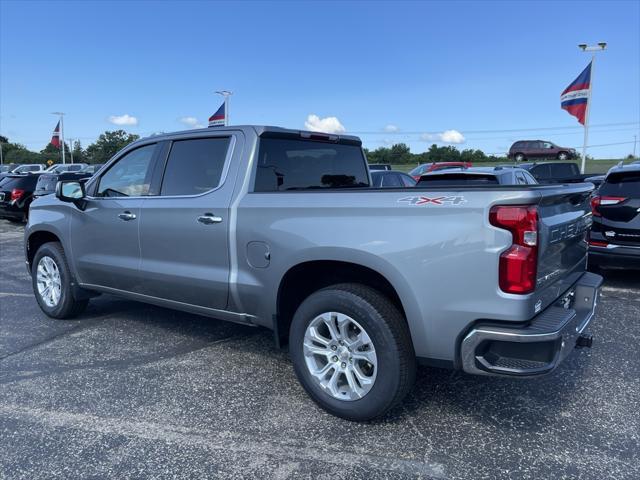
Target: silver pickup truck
[(281, 229)]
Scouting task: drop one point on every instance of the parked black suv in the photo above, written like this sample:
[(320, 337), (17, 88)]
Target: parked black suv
[(534, 149), (615, 235), (16, 194), (47, 181), (556, 172)]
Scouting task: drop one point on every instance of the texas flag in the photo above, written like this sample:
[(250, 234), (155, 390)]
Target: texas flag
[(55, 138), (575, 97), (218, 118)]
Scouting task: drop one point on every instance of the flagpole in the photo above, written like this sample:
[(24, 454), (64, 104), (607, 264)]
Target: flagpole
[(586, 119), (586, 48), (226, 94), (62, 135), (61, 115)]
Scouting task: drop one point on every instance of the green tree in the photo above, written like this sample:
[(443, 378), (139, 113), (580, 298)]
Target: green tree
[(108, 144), (20, 154), (79, 155)]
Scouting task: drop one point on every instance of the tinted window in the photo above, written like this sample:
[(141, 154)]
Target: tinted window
[(130, 176), (520, 179), (391, 180), (624, 185), (457, 179), (285, 164), (194, 166), (563, 170), (376, 179), (408, 181), (541, 172), (530, 179)]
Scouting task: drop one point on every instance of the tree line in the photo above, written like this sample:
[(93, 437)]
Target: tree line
[(107, 144), (400, 153)]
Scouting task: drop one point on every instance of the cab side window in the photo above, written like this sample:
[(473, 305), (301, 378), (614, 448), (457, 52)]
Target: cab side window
[(130, 176), (194, 166)]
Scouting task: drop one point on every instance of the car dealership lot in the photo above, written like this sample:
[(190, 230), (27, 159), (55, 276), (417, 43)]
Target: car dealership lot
[(134, 391)]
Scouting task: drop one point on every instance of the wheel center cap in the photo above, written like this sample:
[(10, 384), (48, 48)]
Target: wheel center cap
[(344, 354)]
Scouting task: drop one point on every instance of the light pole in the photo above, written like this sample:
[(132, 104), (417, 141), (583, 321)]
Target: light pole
[(226, 94), (61, 115), (635, 140), (593, 49)]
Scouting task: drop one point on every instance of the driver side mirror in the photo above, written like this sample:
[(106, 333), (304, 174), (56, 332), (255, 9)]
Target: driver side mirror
[(71, 191)]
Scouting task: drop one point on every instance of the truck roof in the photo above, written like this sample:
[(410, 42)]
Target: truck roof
[(266, 131)]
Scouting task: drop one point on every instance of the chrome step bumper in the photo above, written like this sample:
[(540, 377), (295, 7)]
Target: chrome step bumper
[(540, 346)]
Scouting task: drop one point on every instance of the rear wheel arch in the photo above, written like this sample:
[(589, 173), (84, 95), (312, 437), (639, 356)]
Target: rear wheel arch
[(305, 278)]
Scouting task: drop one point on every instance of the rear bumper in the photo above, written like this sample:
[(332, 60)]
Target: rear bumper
[(615, 256), (8, 210), (538, 347)]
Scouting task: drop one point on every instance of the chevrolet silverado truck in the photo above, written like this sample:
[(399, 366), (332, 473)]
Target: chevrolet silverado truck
[(282, 229)]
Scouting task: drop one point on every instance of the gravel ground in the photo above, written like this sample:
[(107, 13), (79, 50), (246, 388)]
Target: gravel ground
[(134, 391)]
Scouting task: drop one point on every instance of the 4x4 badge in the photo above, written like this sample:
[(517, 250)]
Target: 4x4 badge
[(422, 200)]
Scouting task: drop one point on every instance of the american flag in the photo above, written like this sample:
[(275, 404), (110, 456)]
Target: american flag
[(55, 138), (218, 118)]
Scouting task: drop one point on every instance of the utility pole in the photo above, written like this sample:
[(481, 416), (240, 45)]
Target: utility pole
[(593, 49), (61, 115), (226, 94), (635, 140), (2, 160)]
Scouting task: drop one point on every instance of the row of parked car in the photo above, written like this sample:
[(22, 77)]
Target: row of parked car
[(614, 239), (21, 184)]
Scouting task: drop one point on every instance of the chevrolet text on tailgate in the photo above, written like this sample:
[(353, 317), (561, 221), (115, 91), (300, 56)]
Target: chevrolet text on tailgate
[(280, 228)]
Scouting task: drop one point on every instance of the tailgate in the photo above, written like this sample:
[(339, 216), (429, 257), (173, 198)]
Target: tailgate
[(564, 216)]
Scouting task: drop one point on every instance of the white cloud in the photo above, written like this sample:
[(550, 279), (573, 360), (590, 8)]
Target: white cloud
[(448, 136), (125, 119), (191, 122), (391, 128), (327, 124)]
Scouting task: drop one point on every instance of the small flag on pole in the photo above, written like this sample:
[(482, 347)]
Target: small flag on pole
[(575, 97), (55, 138), (218, 118)]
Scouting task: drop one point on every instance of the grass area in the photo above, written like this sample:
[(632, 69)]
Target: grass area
[(593, 166)]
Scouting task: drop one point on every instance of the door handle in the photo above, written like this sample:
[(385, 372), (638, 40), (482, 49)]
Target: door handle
[(126, 216), (209, 219)]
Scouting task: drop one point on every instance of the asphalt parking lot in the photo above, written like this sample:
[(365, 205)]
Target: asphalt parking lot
[(134, 391)]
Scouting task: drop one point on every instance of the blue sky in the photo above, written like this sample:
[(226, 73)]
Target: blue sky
[(479, 68)]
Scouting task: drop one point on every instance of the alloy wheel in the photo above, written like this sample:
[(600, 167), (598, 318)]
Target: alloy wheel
[(340, 356), (49, 282)]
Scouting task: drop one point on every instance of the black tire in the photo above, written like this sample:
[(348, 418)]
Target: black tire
[(391, 339), (67, 306), (519, 157)]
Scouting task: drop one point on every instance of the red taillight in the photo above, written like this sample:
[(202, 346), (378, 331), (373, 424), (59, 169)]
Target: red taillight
[(603, 201), (519, 263), (598, 243), (16, 194)]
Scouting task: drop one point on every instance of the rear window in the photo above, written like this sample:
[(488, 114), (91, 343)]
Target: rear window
[(46, 183), (287, 164), (453, 179), (563, 170), (27, 182), (624, 185)]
